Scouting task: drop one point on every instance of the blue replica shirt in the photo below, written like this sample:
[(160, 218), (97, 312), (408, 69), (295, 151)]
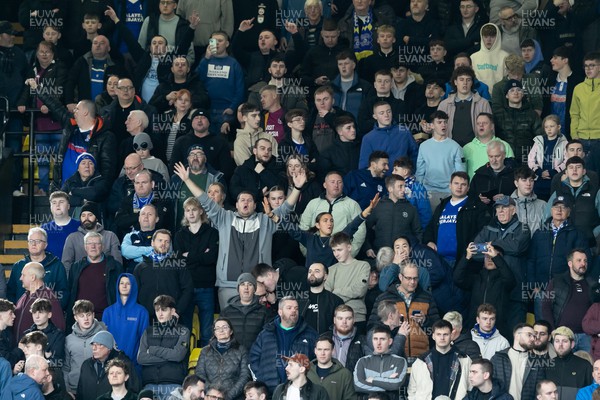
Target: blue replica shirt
[(447, 230)]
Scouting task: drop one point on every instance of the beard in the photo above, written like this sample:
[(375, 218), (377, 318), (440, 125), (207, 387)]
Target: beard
[(88, 225), (316, 282), (540, 347)]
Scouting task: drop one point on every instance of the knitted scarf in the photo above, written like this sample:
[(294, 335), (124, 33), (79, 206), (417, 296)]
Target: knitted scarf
[(484, 335), (362, 36), (158, 257)]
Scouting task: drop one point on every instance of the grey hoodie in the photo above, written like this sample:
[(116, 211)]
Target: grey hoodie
[(75, 251), (78, 348), (530, 211)]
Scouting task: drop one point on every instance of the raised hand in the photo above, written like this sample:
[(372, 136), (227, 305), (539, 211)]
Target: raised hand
[(181, 171), (266, 206), (110, 13), (299, 178), (246, 25), (372, 204)]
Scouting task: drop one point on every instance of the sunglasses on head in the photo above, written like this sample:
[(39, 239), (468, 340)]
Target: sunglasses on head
[(141, 146)]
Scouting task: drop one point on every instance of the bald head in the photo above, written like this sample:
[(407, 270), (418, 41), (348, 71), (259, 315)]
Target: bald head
[(100, 47), (133, 165)]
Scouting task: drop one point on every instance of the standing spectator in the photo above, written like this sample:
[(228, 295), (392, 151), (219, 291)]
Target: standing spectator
[(223, 78), (414, 191), (298, 366), (32, 277), (137, 243), (456, 220), (584, 125), (567, 80), (494, 179), (55, 275), (246, 137), (126, 320), (568, 371), (343, 155), (462, 340), (54, 350), (586, 393), (118, 376), (463, 105), (321, 303), (348, 346), (517, 361), (438, 158), (574, 293), (246, 314), (363, 184), (94, 277), (349, 90), (164, 349), (476, 150), (381, 371), (328, 372), (530, 209), (512, 27), (464, 36), (198, 242), (299, 338), (322, 121), (516, 121), (383, 56), (442, 371), (319, 66), (273, 114), (163, 272), (61, 226), (394, 139), (488, 62)]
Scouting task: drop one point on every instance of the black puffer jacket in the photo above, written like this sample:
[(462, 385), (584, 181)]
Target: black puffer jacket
[(91, 386), (203, 250), (102, 144), (230, 369), (247, 321), (95, 189)]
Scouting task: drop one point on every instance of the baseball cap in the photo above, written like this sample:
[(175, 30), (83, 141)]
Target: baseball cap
[(505, 201)]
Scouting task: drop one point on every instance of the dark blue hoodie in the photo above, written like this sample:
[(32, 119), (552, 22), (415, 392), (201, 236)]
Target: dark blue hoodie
[(127, 322), (21, 386)]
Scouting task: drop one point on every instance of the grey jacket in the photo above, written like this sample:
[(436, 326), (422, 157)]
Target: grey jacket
[(75, 251), (530, 211), (224, 221), (78, 348)]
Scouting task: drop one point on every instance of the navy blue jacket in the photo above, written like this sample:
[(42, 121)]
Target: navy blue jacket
[(265, 353), (361, 186)]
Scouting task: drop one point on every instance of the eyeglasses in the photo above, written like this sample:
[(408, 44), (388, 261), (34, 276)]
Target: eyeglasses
[(195, 155), (36, 241), (125, 88), (221, 328), (141, 146), (410, 278), (559, 208), (127, 169)]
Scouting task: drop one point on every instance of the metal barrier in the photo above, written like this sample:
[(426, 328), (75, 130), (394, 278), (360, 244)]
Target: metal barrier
[(31, 152)]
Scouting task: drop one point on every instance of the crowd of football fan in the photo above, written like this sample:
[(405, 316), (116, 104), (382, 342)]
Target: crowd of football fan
[(371, 196)]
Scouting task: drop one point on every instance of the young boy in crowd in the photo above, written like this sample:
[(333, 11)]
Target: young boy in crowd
[(91, 25), (249, 134), (41, 311)]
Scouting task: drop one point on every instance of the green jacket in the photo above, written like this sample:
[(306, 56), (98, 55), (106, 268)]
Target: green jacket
[(339, 384), (585, 110)]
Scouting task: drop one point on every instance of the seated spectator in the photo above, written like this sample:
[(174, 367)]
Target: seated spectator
[(54, 349), (34, 344), (118, 376), (381, 91), (191, 389), (29, 383), (515, 70), (32, 278), (246, 138), (78, 345), (86, 184), (363, 184), (94, 277), (462, 340), (126, 320), (164, 349), (198, 243), (161, 274), (547, 155), (55, 275), (94, 379), (591, 391), (223, 349), (397, 323), (61, 225), (246, 314), (488, 62), (109, 93)]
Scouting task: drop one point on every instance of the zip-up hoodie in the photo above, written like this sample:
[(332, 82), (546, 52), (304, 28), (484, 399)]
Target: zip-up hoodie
[(585, 110), (488, 64), (127, 322)]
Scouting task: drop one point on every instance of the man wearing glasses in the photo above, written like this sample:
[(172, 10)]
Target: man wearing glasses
[(56, 276), (415, 305), (514, 31), (517, 360)]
